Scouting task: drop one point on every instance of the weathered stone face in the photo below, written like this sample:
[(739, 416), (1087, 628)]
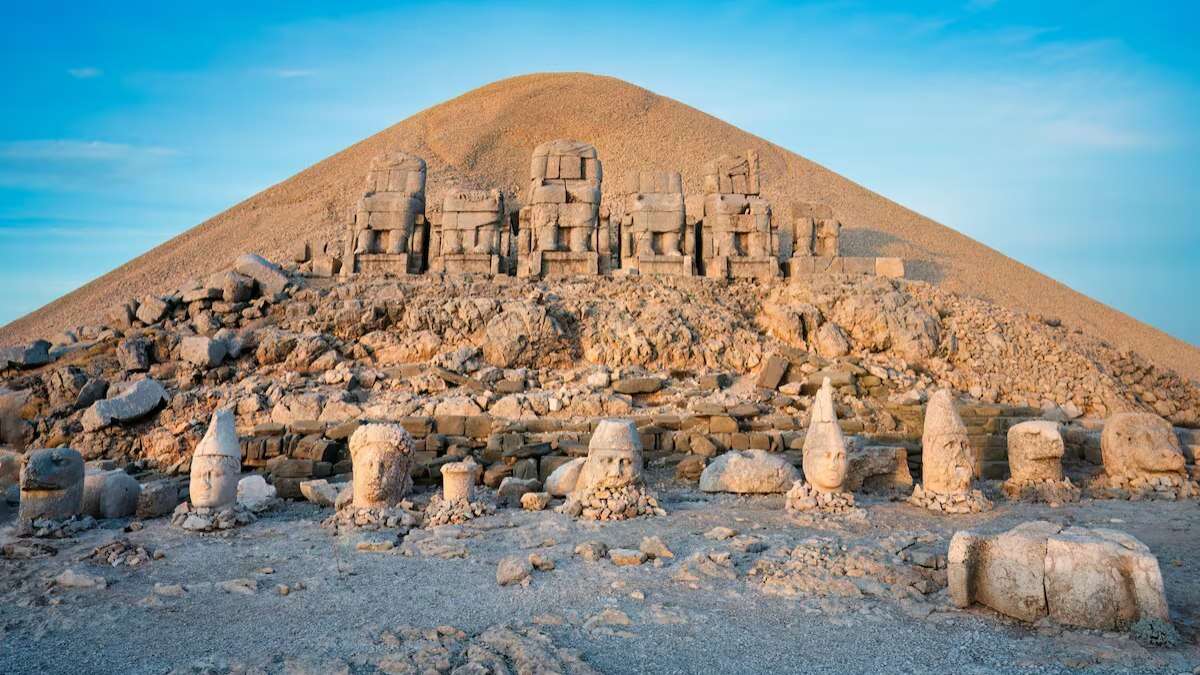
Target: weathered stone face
[(1140, 446), (1035, 451), (614, 457), (1094, 578), (51, 484), (216, 464), (947, 460), (382, 455), (825, 460)]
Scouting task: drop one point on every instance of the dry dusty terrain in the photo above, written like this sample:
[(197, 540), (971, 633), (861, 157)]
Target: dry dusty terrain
[(484, 137), (351, 612)]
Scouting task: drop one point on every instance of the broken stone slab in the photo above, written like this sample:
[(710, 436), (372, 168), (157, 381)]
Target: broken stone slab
[(134, 354), (749, 472), (320, 492), (1091, 578), (878, 469), (151, 309), (202, 351), (158, 498), (561, 481), (637, 385), (270, 278), (512, 489), (513, 570), (34, 354), (137, 400)]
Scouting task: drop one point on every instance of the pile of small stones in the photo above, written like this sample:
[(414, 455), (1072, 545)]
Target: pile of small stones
[(1052, 492), (1170, 487), (401, 517), (804, 497), (966, 502), (195, 519), (122, 553), (53, 528), (443, 512), (623, 503), (822, 566)]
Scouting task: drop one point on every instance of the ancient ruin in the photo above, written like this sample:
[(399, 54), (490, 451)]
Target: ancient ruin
[(948, 462), (382, 456), (1094, 578), (458, 502), (51, 490), (1142, 456), (560, 224), (412, 445), (654, 234), (825, 460), (216, 470), (389, 232), (738, 238), (471, 234), (1035, 452), (610, 485)]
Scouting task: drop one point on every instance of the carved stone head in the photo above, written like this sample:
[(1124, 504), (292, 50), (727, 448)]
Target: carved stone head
[(383, 456), (216, 464), (1140, 445), (614, 456), (51, 484), (947, 460), (1035, 451), (825, 461)]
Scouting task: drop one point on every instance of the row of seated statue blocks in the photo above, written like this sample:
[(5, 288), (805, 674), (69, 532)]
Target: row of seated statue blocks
[(389, 229), (471, 236), (560, 225), (654, 225), (816, 247), (738, 238)]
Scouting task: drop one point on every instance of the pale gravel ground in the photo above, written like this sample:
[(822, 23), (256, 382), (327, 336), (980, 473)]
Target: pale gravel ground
[(729, 628), (484, 138)]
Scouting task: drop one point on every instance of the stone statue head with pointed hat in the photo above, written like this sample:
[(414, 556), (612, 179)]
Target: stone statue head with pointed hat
[(825, 461), (216, 464), (383, 457), (947, 459), (614, 457)]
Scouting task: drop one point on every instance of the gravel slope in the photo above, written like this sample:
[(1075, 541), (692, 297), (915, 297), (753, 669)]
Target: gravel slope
[(485, 136)]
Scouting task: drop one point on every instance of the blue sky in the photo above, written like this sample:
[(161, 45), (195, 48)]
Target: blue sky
[(1066, 138)]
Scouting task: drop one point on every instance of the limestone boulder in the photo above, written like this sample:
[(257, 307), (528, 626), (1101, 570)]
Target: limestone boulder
[(134, 354), (561, 481), (749, 472), (254, 493), (110, 494), (158, 498), (878, 469), (136, 401), (270, 278), (10, 469), (512, 489), (15, 430), (1005, 572), (201, 351), (34, 354), (320, 492), (831, 341), (151, 309)]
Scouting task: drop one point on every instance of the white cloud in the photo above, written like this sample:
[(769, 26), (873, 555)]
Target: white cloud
[(85, 73), (289, 73), (74, 150), (1089, 134)]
